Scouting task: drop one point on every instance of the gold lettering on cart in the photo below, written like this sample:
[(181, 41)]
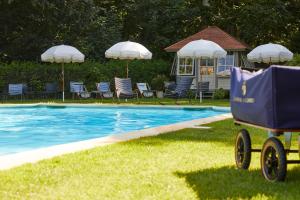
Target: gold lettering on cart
[(244, 100)]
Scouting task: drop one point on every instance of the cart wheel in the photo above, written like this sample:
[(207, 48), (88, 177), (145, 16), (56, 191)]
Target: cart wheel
[(243, 149), (273, 160)]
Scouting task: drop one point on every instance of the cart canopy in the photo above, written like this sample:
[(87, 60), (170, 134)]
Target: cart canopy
[(269, 98)]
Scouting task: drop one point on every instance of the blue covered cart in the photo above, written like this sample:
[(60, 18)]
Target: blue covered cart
[(269, 100)]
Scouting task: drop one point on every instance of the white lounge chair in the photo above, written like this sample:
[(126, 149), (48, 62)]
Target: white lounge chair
[(145, 90), (103, 88), (79, 89), (124, 88), (16, 89), (181, 89)]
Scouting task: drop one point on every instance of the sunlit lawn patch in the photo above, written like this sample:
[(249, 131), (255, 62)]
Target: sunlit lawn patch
[(187, 164)]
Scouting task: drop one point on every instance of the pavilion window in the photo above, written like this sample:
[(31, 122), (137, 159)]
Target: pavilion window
[(186, 66), (207, 66), (226, 63)]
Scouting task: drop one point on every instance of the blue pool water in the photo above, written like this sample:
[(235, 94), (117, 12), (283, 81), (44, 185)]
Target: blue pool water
[(25, 128)]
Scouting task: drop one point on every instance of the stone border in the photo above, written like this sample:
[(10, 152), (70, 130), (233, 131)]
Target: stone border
[(33, 156), (113, 105)]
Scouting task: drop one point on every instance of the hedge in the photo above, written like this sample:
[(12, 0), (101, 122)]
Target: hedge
[(295, 61), (90, 72)]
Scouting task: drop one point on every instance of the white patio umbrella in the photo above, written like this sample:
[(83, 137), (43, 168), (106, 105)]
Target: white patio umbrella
[(201, 49), (62, 54), (270, 53), (128, 51)]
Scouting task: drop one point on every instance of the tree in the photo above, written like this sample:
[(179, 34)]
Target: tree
[(30, 27)]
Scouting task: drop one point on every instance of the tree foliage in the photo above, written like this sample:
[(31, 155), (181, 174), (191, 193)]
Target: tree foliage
[(30, 27)]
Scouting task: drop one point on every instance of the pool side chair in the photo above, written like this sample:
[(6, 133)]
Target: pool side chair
[(103, 88), (79, 89), (16, 90), (29, 91), (124, 88), (51, 89), (182, 87), (3, 95), (204, 89), (169, 86), (144, 90)]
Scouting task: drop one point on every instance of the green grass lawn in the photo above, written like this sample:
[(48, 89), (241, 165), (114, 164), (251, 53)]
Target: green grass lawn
[(141, 101), (187, 164)]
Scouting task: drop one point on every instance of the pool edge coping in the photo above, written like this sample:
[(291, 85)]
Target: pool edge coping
[(111, 105), (33, 156)]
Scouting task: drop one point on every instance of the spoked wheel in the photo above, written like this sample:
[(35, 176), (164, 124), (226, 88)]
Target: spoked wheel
[(243, 149), (273, 160)]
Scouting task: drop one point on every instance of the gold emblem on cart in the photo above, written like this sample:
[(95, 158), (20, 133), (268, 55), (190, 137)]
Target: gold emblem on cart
[(244, 88)]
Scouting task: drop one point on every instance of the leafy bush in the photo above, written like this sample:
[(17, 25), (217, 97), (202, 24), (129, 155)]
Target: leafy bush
[(221, 94), (158, 82), (191, 94), (295, 61), (90, 72)]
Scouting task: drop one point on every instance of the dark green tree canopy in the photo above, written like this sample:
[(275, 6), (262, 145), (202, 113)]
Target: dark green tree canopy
[(30, 27)]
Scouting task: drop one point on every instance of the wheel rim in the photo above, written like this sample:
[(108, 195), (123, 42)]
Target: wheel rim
[(271, 163), (240, 153)]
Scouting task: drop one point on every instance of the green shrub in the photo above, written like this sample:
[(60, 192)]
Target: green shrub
[(90, 72), (221, 94), (191, 94), (157, 82), (295, 61)]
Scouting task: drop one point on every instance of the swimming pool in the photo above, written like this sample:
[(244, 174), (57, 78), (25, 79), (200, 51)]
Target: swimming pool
[(24, 128)]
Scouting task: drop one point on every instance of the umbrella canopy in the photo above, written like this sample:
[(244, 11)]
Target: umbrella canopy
[(62, 54), (268, 53), (128, 51), (202, 49)]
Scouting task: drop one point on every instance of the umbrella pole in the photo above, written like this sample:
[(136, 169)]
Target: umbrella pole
[(197, 76), (63, 82), (127, 69), (200, 91)]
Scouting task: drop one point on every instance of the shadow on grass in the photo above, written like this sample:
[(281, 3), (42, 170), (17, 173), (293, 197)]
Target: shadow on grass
[(231, 183)]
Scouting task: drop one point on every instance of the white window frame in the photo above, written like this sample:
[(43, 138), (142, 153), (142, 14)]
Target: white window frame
[(227, 66), (185, 67)]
